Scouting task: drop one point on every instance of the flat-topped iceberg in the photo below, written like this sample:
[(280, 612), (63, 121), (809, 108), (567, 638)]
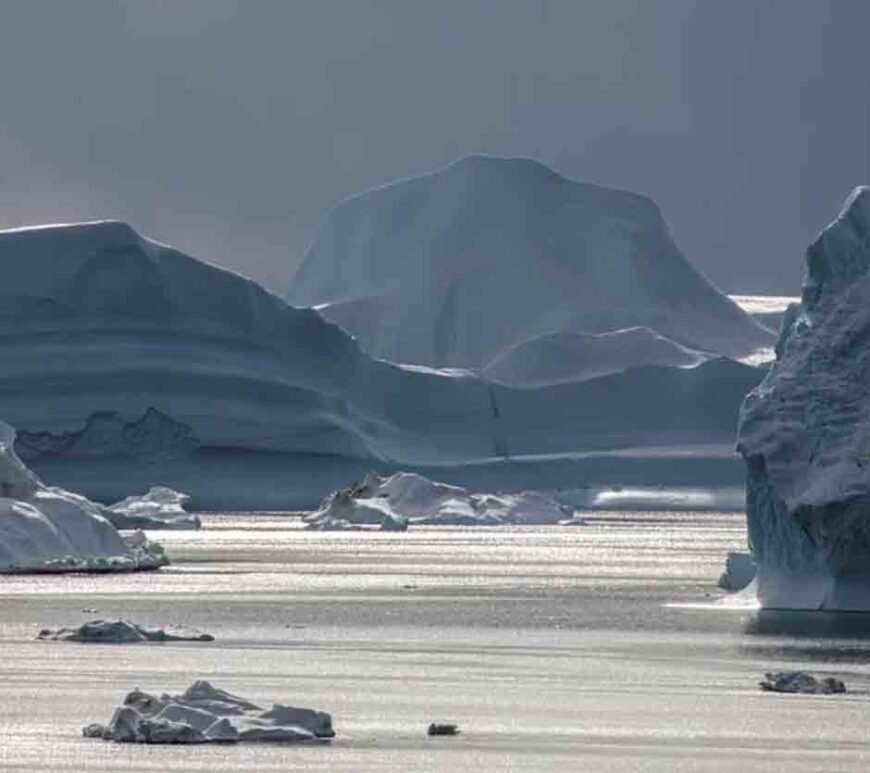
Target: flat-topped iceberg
[(205, 714), (405, 499), (805, 433), (47, 529)]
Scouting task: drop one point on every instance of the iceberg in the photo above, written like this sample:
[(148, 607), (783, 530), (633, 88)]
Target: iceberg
[(405, 499), (48, 529), (160, 508), (119, 632), (456, 268), (804, 433), (801, 682), (206, 714), (127, 364)]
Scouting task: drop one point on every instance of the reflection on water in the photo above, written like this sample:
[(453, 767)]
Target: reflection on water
[(809, 624), (808, 636)]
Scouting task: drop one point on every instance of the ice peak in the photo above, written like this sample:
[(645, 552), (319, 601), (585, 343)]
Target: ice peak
[(481, 163), (841, 253)]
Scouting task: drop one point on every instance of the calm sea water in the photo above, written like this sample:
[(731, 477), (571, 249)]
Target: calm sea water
[(578, 648)]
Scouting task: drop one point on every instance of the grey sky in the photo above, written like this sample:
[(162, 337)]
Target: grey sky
[(229, 127)]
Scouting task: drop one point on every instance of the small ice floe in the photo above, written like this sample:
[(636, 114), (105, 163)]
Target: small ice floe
[(739, 571), (404, 499), (442, 728), (160, 508), (119, 632), (801, 682), (205, 714)]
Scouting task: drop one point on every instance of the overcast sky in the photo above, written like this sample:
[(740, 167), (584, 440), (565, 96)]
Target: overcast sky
[(229, 127)]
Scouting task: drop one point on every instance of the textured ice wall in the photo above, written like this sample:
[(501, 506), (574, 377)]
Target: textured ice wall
[(805, 432)]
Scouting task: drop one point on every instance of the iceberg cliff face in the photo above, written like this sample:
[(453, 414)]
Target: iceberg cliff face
[(455, 268), (128, 365), (805, 432)]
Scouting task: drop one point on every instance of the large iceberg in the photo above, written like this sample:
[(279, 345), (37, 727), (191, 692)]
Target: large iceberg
[(48, 529), (128, 365), (411, 499), (805, 432), (458, 267)]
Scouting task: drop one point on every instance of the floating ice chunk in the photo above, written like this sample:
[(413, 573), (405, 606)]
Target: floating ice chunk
[(800, 682), (47, 529), (120, 632), (442, 728), (739, 571), (409, 499), (206, 714), (160, 508)]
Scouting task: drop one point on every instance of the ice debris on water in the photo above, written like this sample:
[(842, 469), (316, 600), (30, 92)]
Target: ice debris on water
[(405, 499), (160, 508), (800, 682), (206, 714), (442, 728), (120, 632)]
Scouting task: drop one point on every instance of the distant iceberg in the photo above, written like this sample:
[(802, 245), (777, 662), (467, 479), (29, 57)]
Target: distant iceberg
[(46, 529), (120, 632), (410, 499), (497, 263), (127, 364), (159, 508), (805, 433)]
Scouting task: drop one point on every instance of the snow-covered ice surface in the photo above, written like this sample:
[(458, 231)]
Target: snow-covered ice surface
[(207, 714), (159, 508), (48, 529), (457, 267), (805, 432), (127, 365), (120, 632), (552, 648), (407, 499)]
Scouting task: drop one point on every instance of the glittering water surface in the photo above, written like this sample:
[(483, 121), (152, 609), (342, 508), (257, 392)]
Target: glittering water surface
[(554, 648)]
